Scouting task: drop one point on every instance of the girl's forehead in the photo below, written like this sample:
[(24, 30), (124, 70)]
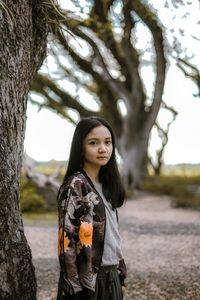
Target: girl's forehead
[(100, 131)]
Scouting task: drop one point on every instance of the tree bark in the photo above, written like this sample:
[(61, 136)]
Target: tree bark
[(22, 50), (134, 153)]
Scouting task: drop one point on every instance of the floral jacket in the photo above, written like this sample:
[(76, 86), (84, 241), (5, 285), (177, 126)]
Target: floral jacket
[(81, 219)]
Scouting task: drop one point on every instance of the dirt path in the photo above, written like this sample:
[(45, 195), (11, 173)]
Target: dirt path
[(161, 246)]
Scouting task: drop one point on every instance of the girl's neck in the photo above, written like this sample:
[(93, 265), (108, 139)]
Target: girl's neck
[(92, 173)]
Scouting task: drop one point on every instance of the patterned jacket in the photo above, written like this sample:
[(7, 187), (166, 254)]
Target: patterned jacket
[(81, 219)]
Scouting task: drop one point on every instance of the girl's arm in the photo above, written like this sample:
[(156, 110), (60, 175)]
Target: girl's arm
[(69, 224)]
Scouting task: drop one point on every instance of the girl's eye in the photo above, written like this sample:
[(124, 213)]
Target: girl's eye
[(95, 143)]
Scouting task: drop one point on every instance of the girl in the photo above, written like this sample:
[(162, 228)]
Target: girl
[(91, 262)]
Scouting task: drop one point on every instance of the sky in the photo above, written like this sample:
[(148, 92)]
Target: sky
[(49, 136)]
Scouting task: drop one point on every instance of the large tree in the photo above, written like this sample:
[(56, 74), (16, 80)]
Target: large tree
[(23, 32), (111, 72)]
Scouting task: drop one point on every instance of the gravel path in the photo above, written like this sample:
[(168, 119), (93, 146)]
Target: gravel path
[(161, 247)]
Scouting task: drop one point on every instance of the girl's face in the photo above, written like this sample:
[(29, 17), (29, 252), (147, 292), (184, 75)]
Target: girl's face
[(97, 147)]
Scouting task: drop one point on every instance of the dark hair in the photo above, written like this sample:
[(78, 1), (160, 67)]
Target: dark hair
[(108, 174)]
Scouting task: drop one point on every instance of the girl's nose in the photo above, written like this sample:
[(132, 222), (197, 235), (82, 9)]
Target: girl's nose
[(102, 148)]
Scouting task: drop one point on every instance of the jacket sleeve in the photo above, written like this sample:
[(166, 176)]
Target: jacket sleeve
[(69, 204)]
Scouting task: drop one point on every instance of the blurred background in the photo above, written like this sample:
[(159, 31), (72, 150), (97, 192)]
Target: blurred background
[(137, 65)]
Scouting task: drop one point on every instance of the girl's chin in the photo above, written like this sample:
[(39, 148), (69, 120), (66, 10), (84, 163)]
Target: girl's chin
[(103, 163)]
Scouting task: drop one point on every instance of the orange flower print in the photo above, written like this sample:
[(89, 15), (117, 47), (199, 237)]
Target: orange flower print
[(60, 241), (85, 234)]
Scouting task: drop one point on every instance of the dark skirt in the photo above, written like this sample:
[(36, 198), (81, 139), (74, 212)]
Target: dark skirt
[(108, 287)]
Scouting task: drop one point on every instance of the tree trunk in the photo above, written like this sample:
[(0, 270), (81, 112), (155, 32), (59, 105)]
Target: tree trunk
[(134, 154), (134, 163), (22, 49)]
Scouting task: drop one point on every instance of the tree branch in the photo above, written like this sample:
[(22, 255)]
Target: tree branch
[(195, 76), (41, 83), (53, 105), (150, 20), (102, 26), (110, 87), (115, 85), (91, 87), (163, 134), (108, 107), (132, 59)]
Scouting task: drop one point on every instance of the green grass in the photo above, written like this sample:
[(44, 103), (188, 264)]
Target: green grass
[(182, 170), (181, 188)]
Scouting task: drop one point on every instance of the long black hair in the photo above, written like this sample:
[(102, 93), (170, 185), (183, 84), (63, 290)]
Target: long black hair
[(108, 175)]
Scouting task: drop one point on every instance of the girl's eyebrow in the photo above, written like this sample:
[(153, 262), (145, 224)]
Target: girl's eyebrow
[(96, 138)]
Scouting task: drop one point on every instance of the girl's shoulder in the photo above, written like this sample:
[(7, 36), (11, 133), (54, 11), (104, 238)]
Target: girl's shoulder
[(75, 179), (78, 183)]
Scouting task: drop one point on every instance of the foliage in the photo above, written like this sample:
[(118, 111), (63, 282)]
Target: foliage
[(30, 200), (183, 189)]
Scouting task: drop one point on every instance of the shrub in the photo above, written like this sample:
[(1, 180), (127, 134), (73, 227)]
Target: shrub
[(30, 201), (177, 187)]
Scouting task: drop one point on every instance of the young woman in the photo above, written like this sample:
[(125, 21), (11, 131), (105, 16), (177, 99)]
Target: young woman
[(91, 261)]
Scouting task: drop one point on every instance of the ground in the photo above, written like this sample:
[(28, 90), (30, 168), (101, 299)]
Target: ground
[(160, 245)]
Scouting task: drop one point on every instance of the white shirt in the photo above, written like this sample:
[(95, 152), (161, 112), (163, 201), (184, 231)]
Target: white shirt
[(112, 252)]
